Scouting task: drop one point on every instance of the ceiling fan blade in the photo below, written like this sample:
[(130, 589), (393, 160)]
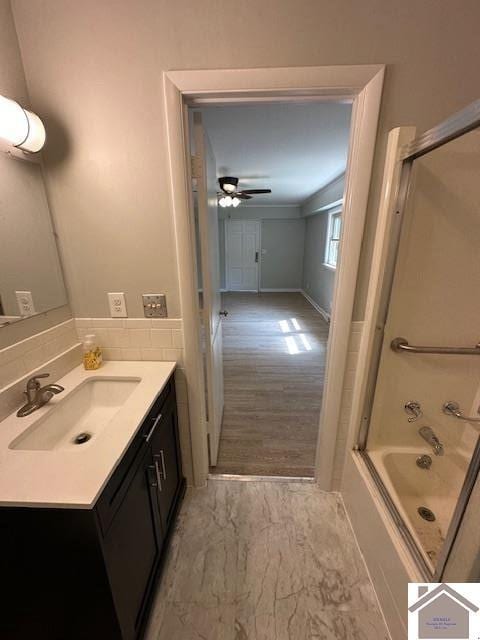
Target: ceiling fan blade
[(256, 191), (242, 195)]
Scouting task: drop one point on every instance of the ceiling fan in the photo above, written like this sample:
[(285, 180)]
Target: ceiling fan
[(230, 196)]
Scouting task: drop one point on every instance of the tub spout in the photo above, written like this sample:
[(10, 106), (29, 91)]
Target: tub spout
[(429, 436)]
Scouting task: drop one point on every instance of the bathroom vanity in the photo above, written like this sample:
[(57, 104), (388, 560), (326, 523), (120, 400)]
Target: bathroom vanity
[(84, 527)]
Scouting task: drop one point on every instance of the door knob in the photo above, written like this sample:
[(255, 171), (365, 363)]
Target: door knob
[(223, 313)]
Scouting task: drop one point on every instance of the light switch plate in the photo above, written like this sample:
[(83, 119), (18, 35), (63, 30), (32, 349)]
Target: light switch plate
[(25, 303), (118, 307), (155, 305)]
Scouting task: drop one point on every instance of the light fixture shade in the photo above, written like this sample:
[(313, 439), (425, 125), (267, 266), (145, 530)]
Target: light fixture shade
[(19, 127), (235, 202), (221, 202)]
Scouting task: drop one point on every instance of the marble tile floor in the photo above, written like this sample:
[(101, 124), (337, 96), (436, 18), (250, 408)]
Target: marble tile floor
[(264, 560), (274, 351)]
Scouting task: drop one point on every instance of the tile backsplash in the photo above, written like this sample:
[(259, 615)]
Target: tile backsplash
[(346, 407), (27, 355), (135, 338)]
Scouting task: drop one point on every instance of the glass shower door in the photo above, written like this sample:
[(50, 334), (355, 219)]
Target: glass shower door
[(424, 419)]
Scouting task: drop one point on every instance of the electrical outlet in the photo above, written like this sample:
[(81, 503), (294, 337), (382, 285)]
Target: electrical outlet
[(155, 305), (25, 303), (118, 308)]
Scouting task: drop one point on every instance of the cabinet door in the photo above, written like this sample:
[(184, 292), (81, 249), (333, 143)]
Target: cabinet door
[(166, 457), (132, 546)]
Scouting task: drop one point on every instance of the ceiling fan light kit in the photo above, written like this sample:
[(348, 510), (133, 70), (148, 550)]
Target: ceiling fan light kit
[(228, 201), (229, 196)]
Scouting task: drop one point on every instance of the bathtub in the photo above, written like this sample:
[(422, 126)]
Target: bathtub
[(411, 487)]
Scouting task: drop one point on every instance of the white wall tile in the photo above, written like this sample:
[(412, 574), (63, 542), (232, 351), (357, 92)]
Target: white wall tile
[(138, 323), (140, 338), (175, 355), (82, 322), (118, 338), (153, 354), (22, 357), (166, 323), (161, 337), (112, 323), (134, 338), (347, 396), (131, 354), (177, 338), (112, 354)]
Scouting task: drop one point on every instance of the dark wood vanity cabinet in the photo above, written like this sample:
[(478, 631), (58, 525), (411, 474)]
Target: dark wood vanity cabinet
[(167, 465), (84, 574)]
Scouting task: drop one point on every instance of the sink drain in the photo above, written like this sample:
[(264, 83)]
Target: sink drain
[(81, 438), (426, 514)]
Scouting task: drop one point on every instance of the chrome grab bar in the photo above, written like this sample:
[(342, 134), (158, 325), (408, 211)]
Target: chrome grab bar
[(401, 344), (452, 408)]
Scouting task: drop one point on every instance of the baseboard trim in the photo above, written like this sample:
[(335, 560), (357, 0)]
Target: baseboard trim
[(322, 312), (280, 290)]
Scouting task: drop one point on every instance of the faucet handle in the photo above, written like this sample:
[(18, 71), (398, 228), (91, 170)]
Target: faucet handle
[(33, 382), (413, 409)]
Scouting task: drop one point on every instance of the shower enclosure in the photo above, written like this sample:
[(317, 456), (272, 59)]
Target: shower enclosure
[(421, 423)]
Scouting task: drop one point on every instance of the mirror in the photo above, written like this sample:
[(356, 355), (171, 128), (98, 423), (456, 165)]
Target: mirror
[(31, 280)]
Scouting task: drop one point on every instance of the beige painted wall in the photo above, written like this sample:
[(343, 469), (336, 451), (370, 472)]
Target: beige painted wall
[(28, 258), (273, 274), (319, 280), (94, 73), (283, 243), (329, 194)]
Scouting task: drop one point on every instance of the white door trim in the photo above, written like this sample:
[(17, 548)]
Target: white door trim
[(363, 85)]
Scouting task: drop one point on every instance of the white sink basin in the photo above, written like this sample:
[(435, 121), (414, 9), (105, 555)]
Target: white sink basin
[(84, 412)]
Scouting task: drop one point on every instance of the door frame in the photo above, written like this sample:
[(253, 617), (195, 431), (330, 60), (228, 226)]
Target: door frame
[(228, 221), (362, 86)]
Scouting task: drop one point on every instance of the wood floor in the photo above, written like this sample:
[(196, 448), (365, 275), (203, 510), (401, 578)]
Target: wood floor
[(264, 561), (274, 351)]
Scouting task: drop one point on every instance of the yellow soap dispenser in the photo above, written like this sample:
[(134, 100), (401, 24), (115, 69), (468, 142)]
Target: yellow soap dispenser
[(92, 354)]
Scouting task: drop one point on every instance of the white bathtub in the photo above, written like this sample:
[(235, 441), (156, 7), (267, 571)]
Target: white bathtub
[(411, 487)]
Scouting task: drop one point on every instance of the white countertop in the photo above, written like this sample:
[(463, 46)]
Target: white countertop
[(75, 477)]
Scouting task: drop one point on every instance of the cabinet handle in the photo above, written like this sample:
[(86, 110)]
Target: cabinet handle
[(163, 464), (152, 482), (160, 456), (150, 433), (159, 477)]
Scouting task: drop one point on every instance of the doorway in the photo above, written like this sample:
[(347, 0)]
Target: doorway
[(360, 84), (242, 249), (277, 217)]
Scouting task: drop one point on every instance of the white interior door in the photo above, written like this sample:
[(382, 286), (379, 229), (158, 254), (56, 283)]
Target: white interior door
[(243, 248), (205, 173)]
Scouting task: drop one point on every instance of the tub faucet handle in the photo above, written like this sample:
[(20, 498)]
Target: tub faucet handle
[(413, 410)]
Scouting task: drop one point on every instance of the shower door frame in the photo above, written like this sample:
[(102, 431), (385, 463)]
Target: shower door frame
[(457, 125)]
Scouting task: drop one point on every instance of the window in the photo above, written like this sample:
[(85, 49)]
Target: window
[(333, 238)]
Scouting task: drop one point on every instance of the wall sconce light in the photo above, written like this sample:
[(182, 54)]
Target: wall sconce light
[(20, 128)]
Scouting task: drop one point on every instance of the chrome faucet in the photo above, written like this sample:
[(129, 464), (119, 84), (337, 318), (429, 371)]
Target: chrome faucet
[(37, 395), (429, 436)]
